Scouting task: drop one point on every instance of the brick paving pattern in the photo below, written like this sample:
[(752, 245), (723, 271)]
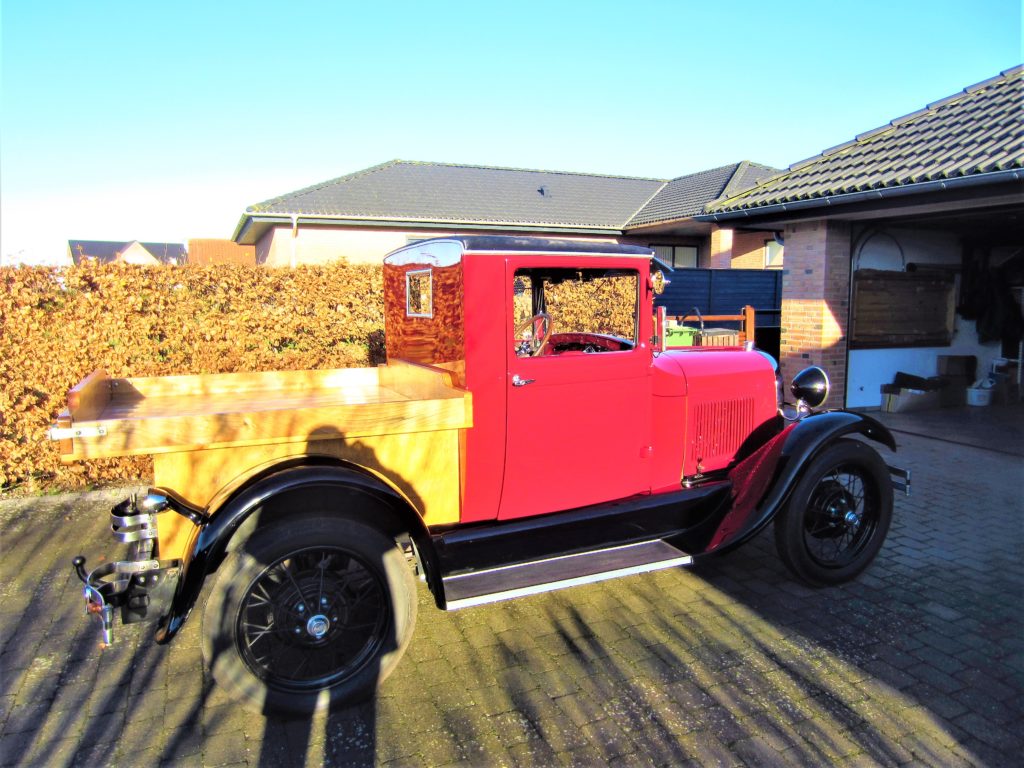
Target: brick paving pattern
[(919, 662)]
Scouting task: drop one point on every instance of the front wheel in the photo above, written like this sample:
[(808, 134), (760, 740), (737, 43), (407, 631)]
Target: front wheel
[(310, 614), (838, 516)]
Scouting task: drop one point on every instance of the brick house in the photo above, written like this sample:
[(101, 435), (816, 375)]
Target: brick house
[(364, 215), (887, 236)]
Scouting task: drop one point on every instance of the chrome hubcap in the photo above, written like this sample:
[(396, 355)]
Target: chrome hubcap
[(317, 626)]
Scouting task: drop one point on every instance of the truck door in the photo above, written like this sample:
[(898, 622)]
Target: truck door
[(578, 414)]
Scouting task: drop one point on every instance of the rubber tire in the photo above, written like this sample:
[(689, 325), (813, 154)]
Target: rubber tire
[(267, 545), (789, 524)]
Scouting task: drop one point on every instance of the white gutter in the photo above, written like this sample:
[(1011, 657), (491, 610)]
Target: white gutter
[(295, 236)]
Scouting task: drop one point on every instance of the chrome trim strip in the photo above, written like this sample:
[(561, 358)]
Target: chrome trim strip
[(537, 589)]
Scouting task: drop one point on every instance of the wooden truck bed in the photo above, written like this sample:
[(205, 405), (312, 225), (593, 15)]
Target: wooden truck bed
[(121, 417)]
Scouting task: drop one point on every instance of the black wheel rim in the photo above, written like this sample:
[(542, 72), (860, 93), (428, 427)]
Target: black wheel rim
[(842, 517), (313, 619)]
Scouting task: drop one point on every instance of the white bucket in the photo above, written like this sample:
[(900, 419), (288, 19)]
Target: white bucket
[(978, 396)]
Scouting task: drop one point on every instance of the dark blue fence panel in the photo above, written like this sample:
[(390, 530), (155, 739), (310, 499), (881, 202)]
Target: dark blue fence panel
[(725, 292)]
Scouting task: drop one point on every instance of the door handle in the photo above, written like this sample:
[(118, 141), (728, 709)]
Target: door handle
[(517, 382)]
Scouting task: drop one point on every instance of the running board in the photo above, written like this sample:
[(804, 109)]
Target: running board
[(509, 581)]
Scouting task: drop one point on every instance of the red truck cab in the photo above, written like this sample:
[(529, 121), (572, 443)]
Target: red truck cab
[(595, 410)]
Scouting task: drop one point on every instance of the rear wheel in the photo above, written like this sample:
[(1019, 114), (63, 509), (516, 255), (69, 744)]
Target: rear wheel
[(838, 516), (310, 614)]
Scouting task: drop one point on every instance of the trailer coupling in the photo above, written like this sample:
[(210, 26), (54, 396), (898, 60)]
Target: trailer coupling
[(141, 586)]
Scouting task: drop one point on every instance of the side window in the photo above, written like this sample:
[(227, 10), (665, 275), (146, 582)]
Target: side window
[(557, 311), (772, 254), (677, 256), (419, 299)]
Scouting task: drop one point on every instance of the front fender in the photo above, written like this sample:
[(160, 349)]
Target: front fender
[(209, 542), (763, 481)]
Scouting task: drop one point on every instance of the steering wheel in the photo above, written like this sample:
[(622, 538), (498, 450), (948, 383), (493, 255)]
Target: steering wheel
[(540, 331)]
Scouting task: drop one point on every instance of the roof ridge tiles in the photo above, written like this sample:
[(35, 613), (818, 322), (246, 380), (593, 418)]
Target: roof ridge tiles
[(735, 181), (531, 170), (643, 205), (874, 132), (952, 98), (706, 171), (985, 83), (761, 165)]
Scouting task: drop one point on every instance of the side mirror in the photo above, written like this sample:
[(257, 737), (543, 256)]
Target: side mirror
[(658, 282)]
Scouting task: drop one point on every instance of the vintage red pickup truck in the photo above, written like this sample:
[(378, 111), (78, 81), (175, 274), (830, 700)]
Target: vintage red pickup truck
[(530, 431)]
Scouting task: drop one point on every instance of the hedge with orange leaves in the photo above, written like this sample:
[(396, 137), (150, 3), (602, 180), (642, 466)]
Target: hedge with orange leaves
[(56, 326)]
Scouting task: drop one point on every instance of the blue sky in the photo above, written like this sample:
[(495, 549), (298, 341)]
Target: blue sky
[(156, 121)]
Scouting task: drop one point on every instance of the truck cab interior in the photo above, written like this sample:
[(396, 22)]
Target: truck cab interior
[(554, 311)]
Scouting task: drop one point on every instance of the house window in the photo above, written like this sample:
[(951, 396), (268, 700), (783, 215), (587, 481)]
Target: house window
[(677, 256), (772, 254), (419, 301)]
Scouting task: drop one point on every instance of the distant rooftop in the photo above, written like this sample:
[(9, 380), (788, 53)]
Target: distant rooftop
[(403, 190), (418, 192), (107, 251)]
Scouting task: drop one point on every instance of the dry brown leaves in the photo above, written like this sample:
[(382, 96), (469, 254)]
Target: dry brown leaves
[(56, 326)]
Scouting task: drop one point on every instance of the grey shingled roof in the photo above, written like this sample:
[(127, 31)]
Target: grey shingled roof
[(415, 191), (979, 130), (687, 196)]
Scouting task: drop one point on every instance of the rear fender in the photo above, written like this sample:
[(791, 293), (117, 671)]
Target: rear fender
[(764, 480), (267, 499)]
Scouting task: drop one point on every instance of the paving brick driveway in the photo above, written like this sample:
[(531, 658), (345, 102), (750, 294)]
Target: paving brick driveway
[(921, 661)]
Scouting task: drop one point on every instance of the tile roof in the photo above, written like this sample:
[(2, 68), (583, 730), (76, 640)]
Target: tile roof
[(401, 190), (687, 196), (977, 131)]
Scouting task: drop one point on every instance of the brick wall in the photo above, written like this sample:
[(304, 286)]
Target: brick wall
[(816, 302), (720, 256), (748, 250)]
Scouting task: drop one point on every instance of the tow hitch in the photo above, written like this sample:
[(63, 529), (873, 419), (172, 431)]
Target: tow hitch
[(140, 586)]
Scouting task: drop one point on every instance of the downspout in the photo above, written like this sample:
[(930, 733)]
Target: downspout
[(295, 236)]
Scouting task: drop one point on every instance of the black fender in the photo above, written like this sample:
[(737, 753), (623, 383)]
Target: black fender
[(211, 539), (800, 443)]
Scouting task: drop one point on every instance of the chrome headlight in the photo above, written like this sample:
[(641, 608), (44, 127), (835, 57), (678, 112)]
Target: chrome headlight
[(810, 386)]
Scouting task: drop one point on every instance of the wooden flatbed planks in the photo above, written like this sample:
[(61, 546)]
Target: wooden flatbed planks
[(187, 413)]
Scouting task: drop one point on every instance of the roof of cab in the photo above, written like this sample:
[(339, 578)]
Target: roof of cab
[(448, 250)]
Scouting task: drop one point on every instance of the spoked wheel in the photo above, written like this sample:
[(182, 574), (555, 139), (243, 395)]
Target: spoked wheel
[(838, 515), (310, 614), (312, 619)]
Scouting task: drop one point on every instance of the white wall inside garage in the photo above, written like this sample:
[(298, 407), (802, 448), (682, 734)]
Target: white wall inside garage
[(869, 369)]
